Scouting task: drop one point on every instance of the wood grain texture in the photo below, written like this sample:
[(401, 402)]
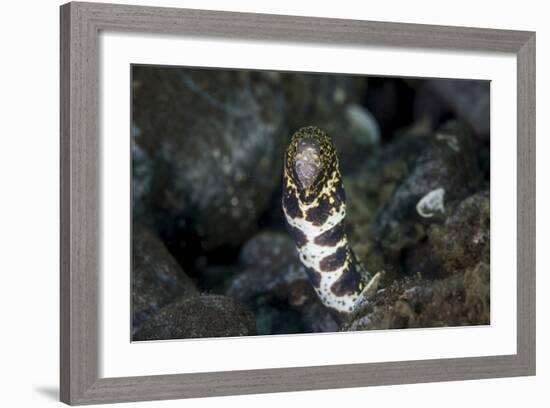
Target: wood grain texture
[(272, 27), (79, 196), (65, 171), (79, 204), (526, 196)]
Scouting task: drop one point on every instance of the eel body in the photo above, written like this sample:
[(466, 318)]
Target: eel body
[(314, 205)]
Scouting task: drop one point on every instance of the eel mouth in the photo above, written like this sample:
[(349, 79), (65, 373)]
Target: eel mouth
[(307, 163)]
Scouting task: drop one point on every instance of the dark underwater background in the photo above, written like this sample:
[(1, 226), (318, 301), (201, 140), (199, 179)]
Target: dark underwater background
[(210, 253)]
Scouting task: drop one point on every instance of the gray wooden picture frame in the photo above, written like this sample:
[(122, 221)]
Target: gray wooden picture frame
[(80, 234)]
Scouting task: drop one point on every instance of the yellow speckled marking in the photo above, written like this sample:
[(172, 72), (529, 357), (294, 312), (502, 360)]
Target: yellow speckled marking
[(324, 191)]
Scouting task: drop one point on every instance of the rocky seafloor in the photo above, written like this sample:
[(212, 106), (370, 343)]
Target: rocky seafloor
[(210, 253)]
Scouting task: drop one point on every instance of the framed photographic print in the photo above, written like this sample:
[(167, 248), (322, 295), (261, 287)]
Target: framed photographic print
[(355, 197)]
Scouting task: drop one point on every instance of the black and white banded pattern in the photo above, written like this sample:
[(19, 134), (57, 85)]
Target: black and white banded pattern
[(314, 204)]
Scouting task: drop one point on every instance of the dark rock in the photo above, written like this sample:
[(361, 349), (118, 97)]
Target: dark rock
[(275, 285), (469, 99), (312, 98), (443, 163), (419, 259), (355, 134), (272, 266), (429, 108), (142, 172), (267, 249), (157, 279), (213, 278), (362, 202), (460, 300), (276, 318), (215, 140), (199, 317), (316, 319), (403, 188), (390, 100), (463, 240)]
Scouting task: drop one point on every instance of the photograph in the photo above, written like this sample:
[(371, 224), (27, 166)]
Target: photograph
[(274, 202)]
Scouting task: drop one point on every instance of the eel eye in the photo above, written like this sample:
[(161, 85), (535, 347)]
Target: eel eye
[(307, 162)]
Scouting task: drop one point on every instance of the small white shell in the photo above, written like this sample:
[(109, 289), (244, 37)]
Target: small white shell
[(431, 203)]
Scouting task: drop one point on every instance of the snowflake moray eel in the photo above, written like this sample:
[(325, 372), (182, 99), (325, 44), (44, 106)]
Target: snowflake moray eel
[(314, 205)]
